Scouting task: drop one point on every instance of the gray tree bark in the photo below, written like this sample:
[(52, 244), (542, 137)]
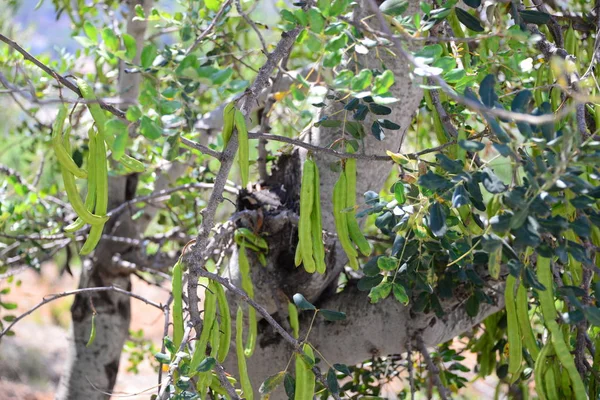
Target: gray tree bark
[(91, 373)]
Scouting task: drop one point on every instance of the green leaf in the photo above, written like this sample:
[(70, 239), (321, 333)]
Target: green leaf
[(332, 382), (399, 193), (400, 293), (119, 145), (90, 31), (492, 183), (430, 53), (434, 181), (289, 16), (377, 131), (206, 365), (221, 76), (437, 220), (383, 82), (380, 292), (9, 306), (394, 7), (271, 383), (471, 145), (386, 263), (473, 3), (387, 124), (378, 109), (323, 6), (369, 282), (362, 80), (534, 17), (448, 165), (150, 129), (472, 306), (130, 46), (337, 43), (111, 40), (315, 20), (148, 55), (212, 5), (288, 384), (133, 113), (487, 91), (337, 7), (343, 368), (460, 197), (468, 20), (302, 303), (162, 358), (331, 315)]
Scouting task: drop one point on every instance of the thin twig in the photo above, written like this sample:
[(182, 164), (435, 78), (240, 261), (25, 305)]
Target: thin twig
[(202, 148), (78, 291), (238, 7), (433, 369), (210, 27), (64, 81), (15, 174)]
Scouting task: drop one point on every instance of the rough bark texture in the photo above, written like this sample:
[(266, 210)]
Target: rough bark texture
[(91, 372)]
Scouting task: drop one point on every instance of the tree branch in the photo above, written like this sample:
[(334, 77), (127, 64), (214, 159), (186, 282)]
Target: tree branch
[(75, 292), (61, 79)]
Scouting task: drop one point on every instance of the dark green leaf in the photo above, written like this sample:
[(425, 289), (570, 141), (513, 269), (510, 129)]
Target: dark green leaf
[(387, 124), (472, 306), (377, 131), (437, 220), (206, 365), (473, 3), (448, 165), (434, 181), (592, 314), (331, 315), (460, 197), (492, 183), (468, 20), (288, 384), (471, 145), (272, 382), (534, 17), (378, 109), (361, 112), (332, 382), (352, 104), (342, 368), (487, 91), (302, 303)]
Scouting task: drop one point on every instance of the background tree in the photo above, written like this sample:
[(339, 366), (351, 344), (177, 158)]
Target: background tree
[(468, 130)]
